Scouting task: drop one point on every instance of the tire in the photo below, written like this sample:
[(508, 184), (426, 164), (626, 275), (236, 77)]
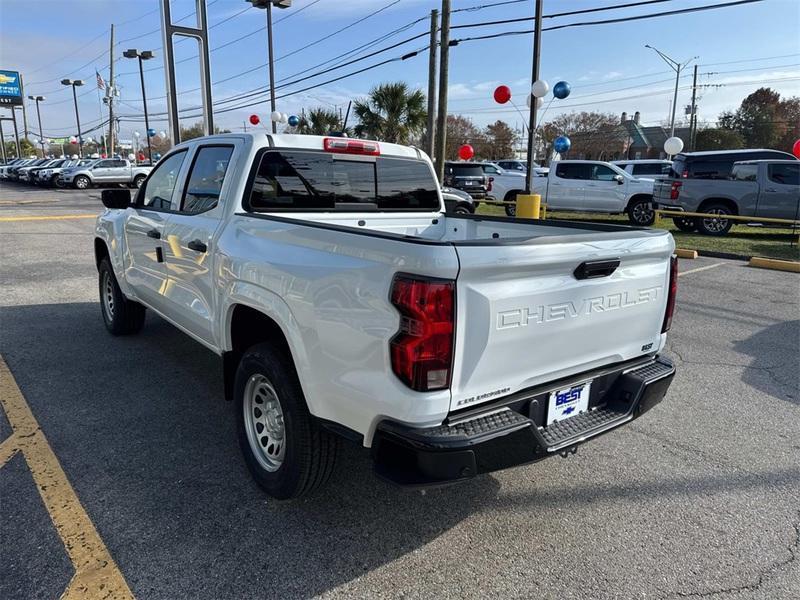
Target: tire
[(641, 213), (462, 209), (511, 209), (121, 316), (137, 181), (716, 226), (82, 182), (288, 453), (58, 183), (685, 224)]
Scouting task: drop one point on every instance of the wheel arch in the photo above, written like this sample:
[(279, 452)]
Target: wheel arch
[(719, 200), (636, 198), (100, 251)]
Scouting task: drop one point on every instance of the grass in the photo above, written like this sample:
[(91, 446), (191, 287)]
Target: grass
[(741, 239)]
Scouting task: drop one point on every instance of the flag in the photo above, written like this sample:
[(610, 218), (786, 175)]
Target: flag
[(101, 85)]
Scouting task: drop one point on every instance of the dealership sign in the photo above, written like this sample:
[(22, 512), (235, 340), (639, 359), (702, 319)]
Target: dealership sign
[(10, 88)]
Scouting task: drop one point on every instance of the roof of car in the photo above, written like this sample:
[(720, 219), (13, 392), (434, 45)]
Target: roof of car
[(725, 152), (782, 161), (641, 161)]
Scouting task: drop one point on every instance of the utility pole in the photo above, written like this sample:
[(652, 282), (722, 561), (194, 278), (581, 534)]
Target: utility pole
[(111, 90), (677, 67), (271, 69), (16, 131), (429, 144), (38, 99), (24, 112), (444, 71), (693, 119), (537, 47), (3, 142)]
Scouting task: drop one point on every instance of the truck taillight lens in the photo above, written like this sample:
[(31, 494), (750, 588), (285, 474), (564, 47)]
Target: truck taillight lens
[(347, 146), (422, 349), (671, 294), (489, 184), (675, 190)]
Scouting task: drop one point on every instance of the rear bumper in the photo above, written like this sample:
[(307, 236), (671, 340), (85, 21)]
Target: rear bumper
[(512, 432)]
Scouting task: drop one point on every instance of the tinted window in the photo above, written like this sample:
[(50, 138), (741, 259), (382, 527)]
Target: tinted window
[(745, 172), (157, 190), (603, 173), (317, 181), (490, 169), (651, 169), (466, 170), (118, 163), (572, 171), (103, 164), (784, 174), (206, 178)]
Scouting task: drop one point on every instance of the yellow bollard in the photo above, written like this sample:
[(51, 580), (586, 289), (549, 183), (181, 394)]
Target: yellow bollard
[(529, 206)]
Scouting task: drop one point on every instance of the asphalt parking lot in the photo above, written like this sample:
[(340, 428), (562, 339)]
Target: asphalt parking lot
[(133, 473)]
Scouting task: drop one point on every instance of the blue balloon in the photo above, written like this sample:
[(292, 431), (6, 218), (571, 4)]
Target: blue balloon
[(151, 132), (294, 121), (561, 144), (561, 90), (157, 155)]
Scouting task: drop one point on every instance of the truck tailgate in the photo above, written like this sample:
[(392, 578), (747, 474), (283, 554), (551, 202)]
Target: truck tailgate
[(524, 318)]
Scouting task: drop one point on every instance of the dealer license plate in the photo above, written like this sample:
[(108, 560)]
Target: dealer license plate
[(568, 402)]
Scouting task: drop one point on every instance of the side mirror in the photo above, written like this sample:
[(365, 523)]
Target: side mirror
[(619, 179), (116, 198)]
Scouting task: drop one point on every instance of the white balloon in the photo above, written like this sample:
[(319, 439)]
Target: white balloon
[(136, 133), (162, 135), (539, 102), (131, 156), (673, 145), (540, 88), (284, 117), (275, 116), (88, 140)]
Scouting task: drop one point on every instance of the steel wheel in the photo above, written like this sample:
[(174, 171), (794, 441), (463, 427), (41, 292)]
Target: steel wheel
[(263, 420), (108, 295)]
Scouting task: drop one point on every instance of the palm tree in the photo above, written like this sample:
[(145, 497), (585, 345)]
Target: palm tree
[(320, 121), (391, 113)]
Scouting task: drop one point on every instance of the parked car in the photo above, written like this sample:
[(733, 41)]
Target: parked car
[(758, 188), (467, 177), (520, 166), (457, 202), (49, 175), (6, 168), (650, 168), (105, 171), (502, 184), (717, 164), (593, 186), (345, 303), (13, 171), (27, 174)]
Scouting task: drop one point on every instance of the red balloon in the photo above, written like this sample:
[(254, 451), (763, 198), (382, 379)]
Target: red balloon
[(796, 149), (466, 152), (254, 120), (502, 94)]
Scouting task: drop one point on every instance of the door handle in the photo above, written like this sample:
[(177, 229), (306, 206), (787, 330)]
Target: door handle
[(770, 190), (154, 233), (197, 246)]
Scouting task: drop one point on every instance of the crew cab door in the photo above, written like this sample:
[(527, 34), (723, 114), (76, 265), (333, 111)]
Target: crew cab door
[(565, 188), (145, 270), (102, 171), (779, 195), (119, 171), (603, 192), (189, 238)]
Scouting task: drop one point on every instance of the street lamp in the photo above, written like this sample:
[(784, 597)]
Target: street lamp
[(677, 67), (76, 83), (268, 4), (38, 99), (143, 55)]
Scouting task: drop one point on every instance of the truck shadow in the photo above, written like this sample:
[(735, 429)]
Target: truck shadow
[(775, 369), (148, 443)]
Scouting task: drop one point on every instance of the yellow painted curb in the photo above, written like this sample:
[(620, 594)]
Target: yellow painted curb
[(778, 265), (46, 218), (684, 253)]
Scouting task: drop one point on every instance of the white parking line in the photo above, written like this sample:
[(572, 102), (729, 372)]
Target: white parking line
[(698, 269)]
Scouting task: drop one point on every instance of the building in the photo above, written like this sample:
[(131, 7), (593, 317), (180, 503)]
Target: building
[(647, 142)]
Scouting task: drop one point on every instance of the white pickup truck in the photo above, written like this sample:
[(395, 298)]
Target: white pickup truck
[(592, 186), (345, 303)]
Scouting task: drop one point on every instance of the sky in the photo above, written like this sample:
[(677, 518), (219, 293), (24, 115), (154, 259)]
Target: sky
[(738, 49)]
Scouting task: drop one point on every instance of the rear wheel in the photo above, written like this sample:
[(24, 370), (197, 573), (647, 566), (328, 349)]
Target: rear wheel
[(511, 207), (462, 209), (138, 180), (685, 224), (121, 316), (641, 213), (718, 224), (286, 450)]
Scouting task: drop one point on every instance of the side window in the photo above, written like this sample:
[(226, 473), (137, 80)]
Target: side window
[(572, 171), (489, 169), (206, 178), (603, 173), (118, 163), (784, 174), (157, 190), (745, 172), (103, 164)]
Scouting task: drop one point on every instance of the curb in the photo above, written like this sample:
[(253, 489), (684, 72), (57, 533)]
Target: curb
[(775, 264), (727, 255), (684, 253)]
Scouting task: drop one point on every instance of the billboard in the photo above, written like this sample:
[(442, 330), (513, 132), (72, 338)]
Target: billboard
[(10, 88)]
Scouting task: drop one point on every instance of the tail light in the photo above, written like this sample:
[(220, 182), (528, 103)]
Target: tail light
[(422, 349), (489, 184), (672, 293), (675, 190), (685, 174), (346, 146)]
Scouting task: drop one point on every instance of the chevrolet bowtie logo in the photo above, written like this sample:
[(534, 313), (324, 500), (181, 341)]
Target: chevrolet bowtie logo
[(6, 79)]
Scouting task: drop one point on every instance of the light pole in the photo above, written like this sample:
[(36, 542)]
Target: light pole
[(268, 4), (143, 55), (38, 99), (677, 67), (76, 83)]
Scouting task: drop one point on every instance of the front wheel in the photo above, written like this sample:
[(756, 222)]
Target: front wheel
[(286, 450), (717, 225), (138, 180), (121, 316), (641, 213), (685, 224), (511, 207), (82, 182)]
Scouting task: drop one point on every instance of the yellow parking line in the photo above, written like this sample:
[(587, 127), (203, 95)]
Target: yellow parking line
[(96, 573), (698, 269), (46, 218)]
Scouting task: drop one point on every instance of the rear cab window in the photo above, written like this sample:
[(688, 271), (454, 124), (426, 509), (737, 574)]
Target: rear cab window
[(319, 181), (745, 173)]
